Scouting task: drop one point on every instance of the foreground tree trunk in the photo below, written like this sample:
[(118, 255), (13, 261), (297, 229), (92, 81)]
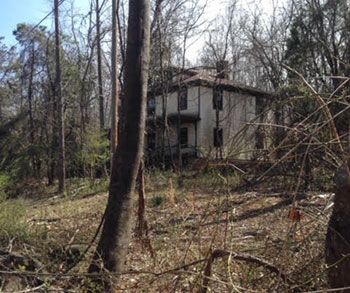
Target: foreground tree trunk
[(116, 233), (338, 237), (59, 99)]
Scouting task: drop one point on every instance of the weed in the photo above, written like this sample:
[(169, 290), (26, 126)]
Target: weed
[(157, 200), (13, 223), (5, 182)]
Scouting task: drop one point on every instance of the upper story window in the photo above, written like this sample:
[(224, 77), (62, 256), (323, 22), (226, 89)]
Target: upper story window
[(218, 97), (182, 104), (151, 106)]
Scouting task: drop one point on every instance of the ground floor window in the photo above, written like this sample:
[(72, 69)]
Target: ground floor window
[(184, 137), (151, 141), (218, 137)]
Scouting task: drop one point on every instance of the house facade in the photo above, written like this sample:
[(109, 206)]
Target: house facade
[(204, 115)]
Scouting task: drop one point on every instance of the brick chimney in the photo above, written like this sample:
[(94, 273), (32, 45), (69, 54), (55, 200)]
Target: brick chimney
[(222, 69)]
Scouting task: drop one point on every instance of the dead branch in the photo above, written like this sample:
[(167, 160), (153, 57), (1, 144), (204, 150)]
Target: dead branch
[(328, 115), (219, 253)]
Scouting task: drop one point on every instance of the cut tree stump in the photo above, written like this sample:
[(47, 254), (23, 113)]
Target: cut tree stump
[(338, 235)]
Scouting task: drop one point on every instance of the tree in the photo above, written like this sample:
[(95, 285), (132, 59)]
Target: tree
[(317, 44), (116, 232), (114, 104), (99, 66), (59, 98)]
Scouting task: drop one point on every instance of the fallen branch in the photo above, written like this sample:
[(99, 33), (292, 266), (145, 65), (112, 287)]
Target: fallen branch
[(243, 257)]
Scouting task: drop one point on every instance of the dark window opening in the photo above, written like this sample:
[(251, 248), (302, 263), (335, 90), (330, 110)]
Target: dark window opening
[(151, 106), (218, 95), (151, 141), (183, 137), (182, 99), (218, 138), (259, 138)]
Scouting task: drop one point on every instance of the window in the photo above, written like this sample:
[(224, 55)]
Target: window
[(182, 98), (218, 138), (151, 106), (184, 137), (218, 98), (151, 141)]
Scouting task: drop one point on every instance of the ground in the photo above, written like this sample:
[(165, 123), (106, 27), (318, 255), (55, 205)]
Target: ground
[(259, 242)]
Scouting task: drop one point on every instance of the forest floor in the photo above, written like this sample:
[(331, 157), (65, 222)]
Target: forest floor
[(202, 238)]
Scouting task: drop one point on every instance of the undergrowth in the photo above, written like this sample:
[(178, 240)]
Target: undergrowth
[(14, 224), (187, 223)]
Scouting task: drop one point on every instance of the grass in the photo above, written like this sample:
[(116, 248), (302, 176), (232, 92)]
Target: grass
[(13, 223)]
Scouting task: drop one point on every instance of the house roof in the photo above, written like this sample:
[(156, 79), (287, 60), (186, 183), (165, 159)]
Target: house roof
[(204, 78)]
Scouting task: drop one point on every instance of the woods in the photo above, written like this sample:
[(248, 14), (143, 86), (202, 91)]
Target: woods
[(240, 114)]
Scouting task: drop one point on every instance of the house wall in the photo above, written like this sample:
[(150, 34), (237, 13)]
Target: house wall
[(239, 134), (238, 109), (192, 103), (173, 137)]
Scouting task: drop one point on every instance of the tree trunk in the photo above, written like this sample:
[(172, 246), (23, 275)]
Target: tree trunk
[(338, 238), (99, 66), (116, 233), (114, 105), (59, 98), (30, 104)]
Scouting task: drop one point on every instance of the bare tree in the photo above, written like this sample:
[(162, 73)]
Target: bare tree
[(114, 105), (59, 97), (99, 65), (116, 232)]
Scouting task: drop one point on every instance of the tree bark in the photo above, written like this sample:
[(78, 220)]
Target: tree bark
[(114, 105), (338, 238), (99, 66), (59, 98), (30, 104), (116, 233)]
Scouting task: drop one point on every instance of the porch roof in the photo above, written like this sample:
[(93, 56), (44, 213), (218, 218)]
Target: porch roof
[(173, 118)]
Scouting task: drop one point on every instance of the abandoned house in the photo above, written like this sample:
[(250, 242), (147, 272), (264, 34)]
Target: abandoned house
[(204, 114)]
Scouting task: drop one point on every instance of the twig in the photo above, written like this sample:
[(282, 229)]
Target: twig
[(32, 289), (328, 115)]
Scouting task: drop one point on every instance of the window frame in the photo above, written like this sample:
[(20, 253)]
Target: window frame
[(151, 140), (183, 144), (182, 98), (218, 98), (151, 106), (218, 138)]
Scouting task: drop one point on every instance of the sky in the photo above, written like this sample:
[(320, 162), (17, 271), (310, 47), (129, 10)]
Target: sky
[(13, 12)]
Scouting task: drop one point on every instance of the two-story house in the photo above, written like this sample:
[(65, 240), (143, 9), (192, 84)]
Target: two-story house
[(204, 114)]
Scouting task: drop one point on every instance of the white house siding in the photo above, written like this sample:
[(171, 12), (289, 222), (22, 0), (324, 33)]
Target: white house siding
[(238, 109), (239, 136), (207, 122), (192, 101), (172, 108)]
